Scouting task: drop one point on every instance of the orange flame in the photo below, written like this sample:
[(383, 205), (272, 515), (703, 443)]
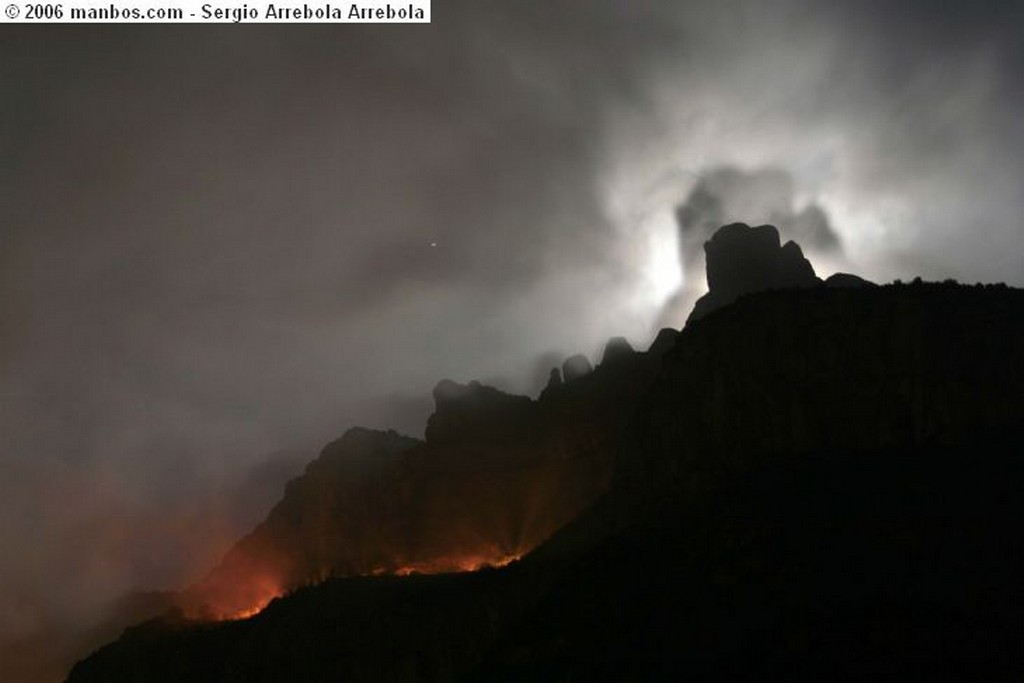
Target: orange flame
[(258, 592), (251, 596), (453, 565)]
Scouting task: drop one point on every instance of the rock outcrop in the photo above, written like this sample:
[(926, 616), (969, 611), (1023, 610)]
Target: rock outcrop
[(665, 340), (496, 475), (808, 479), (476, 410), (576, 367), (744, 260), (812, 479), (616, 350), (338, 518)]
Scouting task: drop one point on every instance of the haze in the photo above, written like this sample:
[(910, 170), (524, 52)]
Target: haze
[(220, 247)]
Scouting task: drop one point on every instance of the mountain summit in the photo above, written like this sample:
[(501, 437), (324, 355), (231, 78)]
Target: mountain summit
[(814, 478), (744, 260)]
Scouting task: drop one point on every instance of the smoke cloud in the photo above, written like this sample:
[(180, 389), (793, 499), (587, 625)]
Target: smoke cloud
[(217, 245)]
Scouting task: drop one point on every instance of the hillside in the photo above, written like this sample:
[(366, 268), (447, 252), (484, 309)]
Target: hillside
[(495, 477), (812, 482)]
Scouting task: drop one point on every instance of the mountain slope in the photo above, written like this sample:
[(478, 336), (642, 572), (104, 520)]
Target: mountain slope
[(813, 482), (496, 476), (874, 531)]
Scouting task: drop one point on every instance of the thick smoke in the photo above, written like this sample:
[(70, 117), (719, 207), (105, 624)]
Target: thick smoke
[(221, 244)]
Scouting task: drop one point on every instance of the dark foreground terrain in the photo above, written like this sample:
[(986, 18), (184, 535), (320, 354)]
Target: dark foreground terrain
[(816, 483)]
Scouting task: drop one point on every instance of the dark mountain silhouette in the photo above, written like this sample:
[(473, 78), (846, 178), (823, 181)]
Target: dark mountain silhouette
[(495, 477), (726, 194), (847, 280), (744, 260), (815, 481)]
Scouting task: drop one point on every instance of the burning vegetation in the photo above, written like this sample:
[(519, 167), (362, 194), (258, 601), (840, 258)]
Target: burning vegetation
[(495, 477), (455, 565), (252, 594)]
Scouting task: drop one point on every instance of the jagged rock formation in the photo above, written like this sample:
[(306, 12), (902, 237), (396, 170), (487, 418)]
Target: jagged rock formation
[(724, 195), (810, 479), (496, 475), (332, 520), (616, 350), (665, 340), (476, 411), (576, 367), (744, 260)]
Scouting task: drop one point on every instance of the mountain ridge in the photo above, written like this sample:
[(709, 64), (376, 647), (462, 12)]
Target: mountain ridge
[(800, 478)]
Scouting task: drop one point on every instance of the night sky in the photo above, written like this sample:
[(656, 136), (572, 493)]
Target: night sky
[(220, 247)]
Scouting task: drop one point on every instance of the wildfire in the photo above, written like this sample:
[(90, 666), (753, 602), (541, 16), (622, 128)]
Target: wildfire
[(247, 599), (250, 596), (249, 612), (454, 565)]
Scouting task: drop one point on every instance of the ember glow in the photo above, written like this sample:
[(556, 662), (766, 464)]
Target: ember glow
[(205, 274), (455, 565), (351, 513), (250, 612), (267, 589), (260, 591), (246, 598)]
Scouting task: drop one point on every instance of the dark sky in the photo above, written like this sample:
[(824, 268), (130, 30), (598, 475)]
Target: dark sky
[(222, 246)]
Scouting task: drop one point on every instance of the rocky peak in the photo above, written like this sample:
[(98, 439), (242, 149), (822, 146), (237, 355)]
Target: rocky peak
[(665, 340), (462, 409), (743, 260), (615, 350), (575, 367), (360, 450)]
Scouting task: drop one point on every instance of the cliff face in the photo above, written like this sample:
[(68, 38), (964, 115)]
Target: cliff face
[(496, 476), (805, 480), (744, 260), (319, 526)]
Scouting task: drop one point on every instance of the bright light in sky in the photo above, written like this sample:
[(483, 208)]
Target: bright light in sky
[(643, 214), (249, 266), (663, 272)]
